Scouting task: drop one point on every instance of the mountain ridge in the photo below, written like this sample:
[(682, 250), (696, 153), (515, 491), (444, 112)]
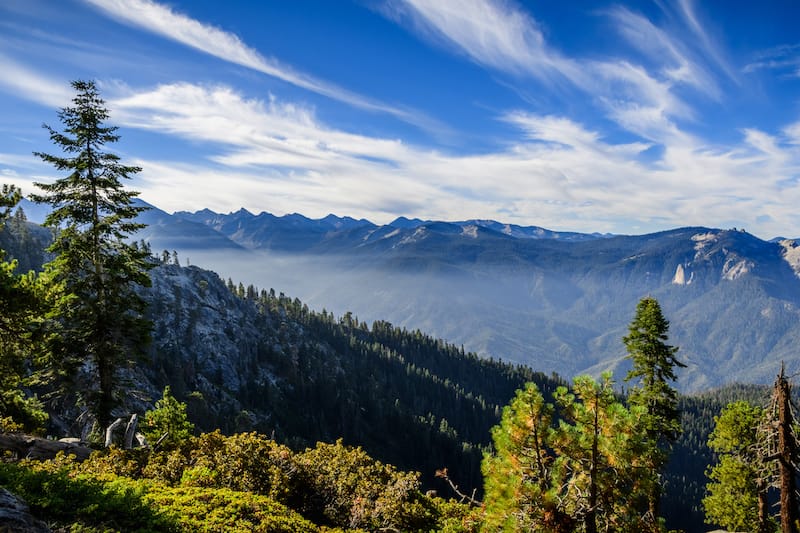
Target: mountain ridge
[(556, 304)]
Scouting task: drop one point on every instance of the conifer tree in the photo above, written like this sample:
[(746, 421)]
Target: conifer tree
[(168, 417), (583, 473), (737, 492), (98, 316), (522, 479), (653, 370)]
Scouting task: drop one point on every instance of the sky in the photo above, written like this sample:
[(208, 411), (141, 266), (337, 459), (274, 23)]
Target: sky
[(624, 117)]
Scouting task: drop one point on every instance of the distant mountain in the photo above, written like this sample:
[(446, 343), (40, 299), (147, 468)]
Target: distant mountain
[(532, 232), (292, 232), (553, 300), (167, 232)]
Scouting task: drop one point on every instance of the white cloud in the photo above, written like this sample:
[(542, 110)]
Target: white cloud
[(792, 132), (708, 46), (279, 157), (33, 86), (491, 33), (784, 59), (164, 21), (665, 50), (500, 36)]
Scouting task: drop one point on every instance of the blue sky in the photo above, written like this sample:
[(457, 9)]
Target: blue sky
[(590, 116)]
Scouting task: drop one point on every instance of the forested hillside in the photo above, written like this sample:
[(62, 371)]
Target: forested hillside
[(250, 359)]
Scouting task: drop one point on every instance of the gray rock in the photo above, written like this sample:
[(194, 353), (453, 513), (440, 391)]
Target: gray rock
[(15, 516)]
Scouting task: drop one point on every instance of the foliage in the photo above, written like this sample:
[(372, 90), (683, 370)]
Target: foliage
[(239, 483), (97, 316), (245, 462), (580, 473), (59, 495), (350, 489), (521, 483), (739, 479), (168, 416), (21, 303), (654, 363), (603, 448), (205, 509), (66, 495)]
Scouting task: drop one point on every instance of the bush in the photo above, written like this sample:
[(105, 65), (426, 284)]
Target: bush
[(205, 509), (58, 495), (347, 488), (244, 482)]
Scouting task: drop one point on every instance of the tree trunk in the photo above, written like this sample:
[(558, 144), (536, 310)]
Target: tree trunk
[(787, 450), (130, 431), (110, 431), (27, 446), (764, 525), (591, 514)]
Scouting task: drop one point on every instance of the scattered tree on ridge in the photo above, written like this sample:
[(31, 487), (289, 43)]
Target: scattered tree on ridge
[(653, 369), (758, 453), (98, 316)]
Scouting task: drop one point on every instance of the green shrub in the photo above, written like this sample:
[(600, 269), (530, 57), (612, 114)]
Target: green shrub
[(204, 509), (113, 462), (63, 497), (347, 488), (244, 482)]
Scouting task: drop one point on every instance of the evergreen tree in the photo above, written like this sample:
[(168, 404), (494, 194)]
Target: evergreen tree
[(653, 369), (168, 416), (737, 492), (20, 301), (583, 473), (98, 317), (522, 477), (601, 444)]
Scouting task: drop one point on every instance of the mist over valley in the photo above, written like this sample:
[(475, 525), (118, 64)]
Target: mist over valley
[(559, 302)]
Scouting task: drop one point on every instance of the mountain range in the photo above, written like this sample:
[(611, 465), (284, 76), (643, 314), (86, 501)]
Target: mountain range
[(556, 301)]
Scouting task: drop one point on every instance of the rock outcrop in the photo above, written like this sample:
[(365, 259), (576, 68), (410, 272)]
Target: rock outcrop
[(15, 516)]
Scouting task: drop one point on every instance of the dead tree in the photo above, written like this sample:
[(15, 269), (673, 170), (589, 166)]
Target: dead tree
[(30, 447), (787, 455), (777, 453)]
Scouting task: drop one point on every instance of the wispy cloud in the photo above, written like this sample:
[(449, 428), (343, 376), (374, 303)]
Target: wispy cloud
[(664, 50), (785, 59), (500, 36), (493, 34), (282, 158), (33, 85), (708, 45), (163, 20)]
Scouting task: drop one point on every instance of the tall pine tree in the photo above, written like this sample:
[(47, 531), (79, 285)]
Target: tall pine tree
[(653, 370), (98, 324)]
